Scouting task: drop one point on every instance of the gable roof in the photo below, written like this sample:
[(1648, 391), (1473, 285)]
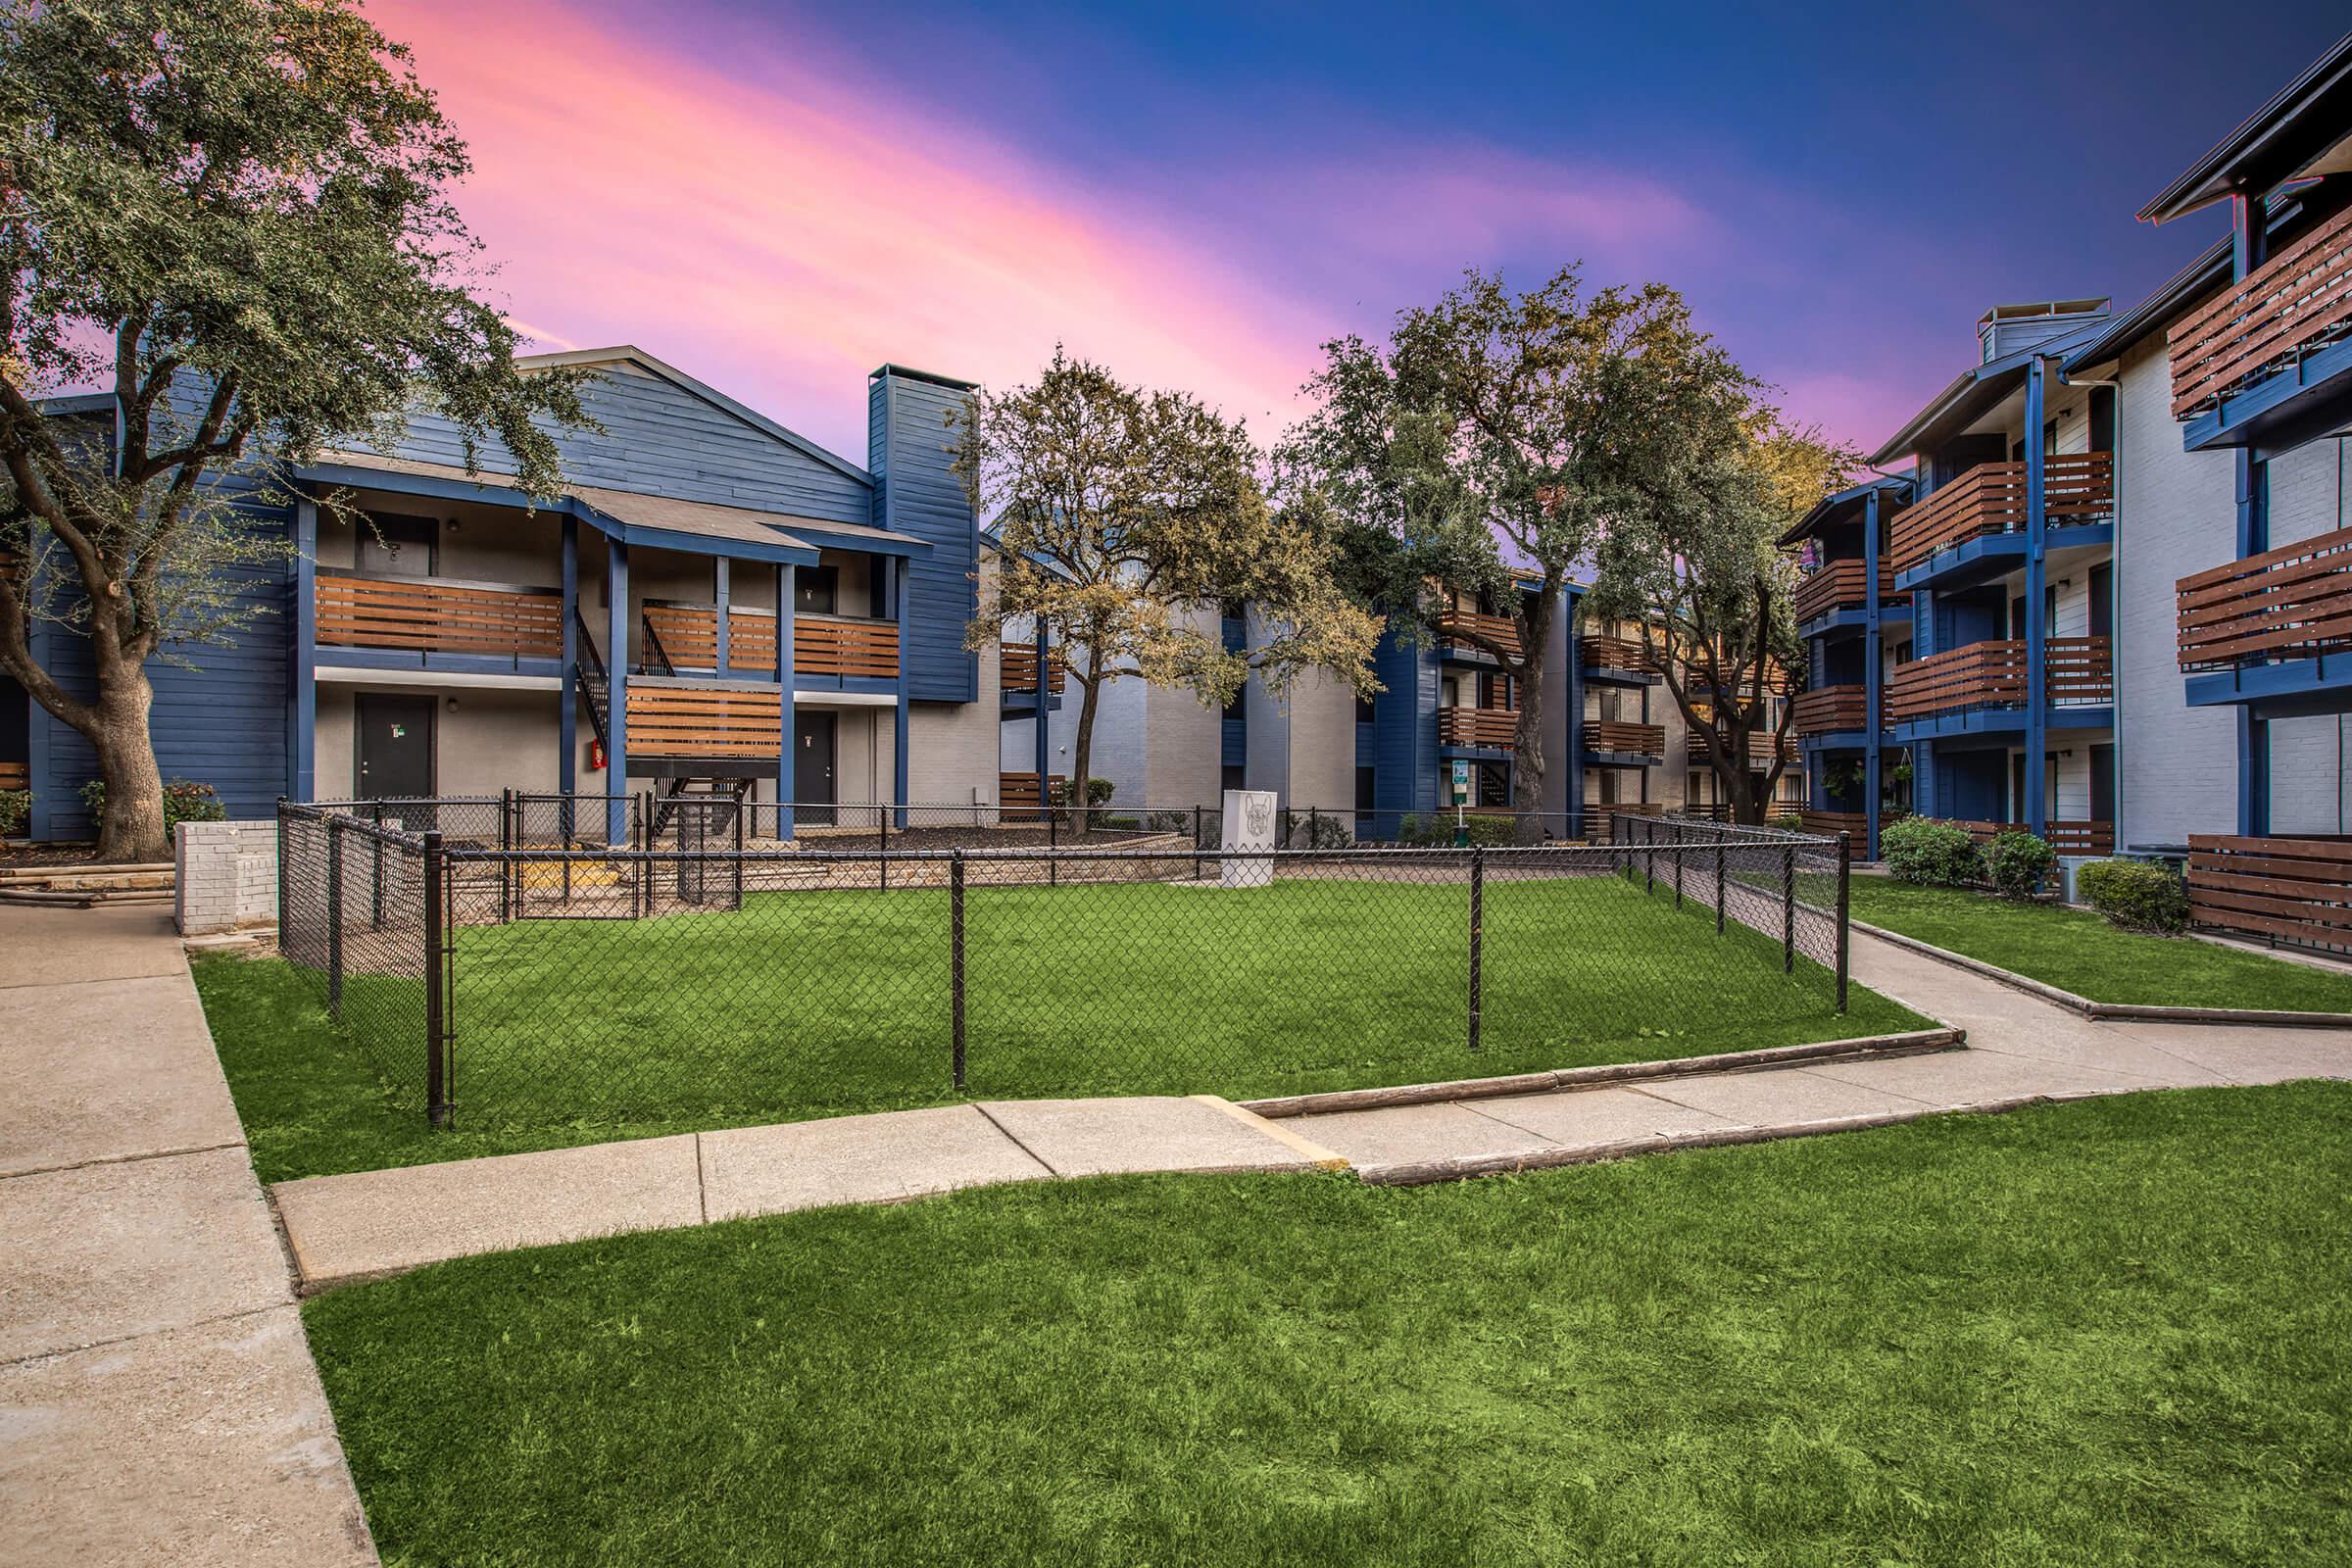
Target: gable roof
[(2301, 124), (1976, 392), (629, 352)]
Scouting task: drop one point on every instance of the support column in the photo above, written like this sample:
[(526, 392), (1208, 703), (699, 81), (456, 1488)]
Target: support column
[(2037, 632), (787, 585), (1874, 678), (1044, 749), (2249, 249), (301, 713), (719, 593), (568, 714), (898, 749), (617, 666), (1572, 759)]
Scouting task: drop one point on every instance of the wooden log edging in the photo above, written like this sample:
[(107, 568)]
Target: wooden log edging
[(2110, 1011), (1421, 1173), (1914, 1043)]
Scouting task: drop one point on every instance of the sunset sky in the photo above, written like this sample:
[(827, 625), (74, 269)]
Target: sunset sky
[(777, 199)]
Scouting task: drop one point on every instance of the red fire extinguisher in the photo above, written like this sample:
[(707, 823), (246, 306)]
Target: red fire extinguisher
[(595, 756)]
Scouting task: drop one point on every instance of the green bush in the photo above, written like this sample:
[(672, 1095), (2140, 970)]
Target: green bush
[(2016, 862), (185, 801), (1435, 830), (1325, 830), (14, 807), (1936, 854), (1789, 822), (2136, 895), (1097, 792)]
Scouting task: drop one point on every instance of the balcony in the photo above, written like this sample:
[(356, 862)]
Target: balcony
[(1621, 657), (669, 719), (2292, 602), (2078, 672), (1016, 669), (2067, 838), (1623, 738), (1495, 729), (686, 636), (1842, 585), (1990, 499), (425, 617), (1500, 630), (1836, 710), (1828, 824), (1759, 751), (2295, 889), (2267, 342)]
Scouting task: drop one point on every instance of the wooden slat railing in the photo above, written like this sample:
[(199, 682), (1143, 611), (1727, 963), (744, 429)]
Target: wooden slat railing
[(15, 775), (1501, 630), (2067, 838), (1619, 735), (2295, 602), (1828, 824), (1993, 674), (688, 633), (433, 615), (1990, 497), (1759, 750), (2300, 298), (2299, 889), (1842, 585), (1478, 726), (1017, 791), (702, 721), (1016, 667), (1624, 654), (824, 644), (1835, 710)]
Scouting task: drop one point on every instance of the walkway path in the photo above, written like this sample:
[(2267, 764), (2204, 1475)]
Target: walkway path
[(158, 1404)]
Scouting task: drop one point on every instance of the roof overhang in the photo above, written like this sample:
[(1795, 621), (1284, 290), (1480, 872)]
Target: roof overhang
[(1973, 392), (2300, 132), (1832, 511)]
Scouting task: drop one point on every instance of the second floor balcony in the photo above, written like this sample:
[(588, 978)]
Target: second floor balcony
[(2271, 348), (2078, 672), (1842, 585), (1835, 710), (1989, 500), (422, 619), (1500, 630), (2269, 624), (1615, 659), (683, 638), (1625, 738), (1494, 728), (1761, 750)]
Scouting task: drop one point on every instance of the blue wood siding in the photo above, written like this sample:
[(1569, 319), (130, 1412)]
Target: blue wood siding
[(1405, 719), (911, 452)]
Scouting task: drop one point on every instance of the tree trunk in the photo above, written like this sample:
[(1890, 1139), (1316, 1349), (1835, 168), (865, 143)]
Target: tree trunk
[(1535, 646), (131, 826), (1082, 751)]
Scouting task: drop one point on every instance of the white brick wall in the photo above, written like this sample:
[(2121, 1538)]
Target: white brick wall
[(228, 876)]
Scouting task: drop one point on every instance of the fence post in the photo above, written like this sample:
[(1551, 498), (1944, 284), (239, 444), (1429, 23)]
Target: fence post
[(436, 1000), (1649, 854), (1053, 856), (956, 961), (1718, 883), (1788, 908), (1677, 863), (1478, 921), (1314, 827), (1196, 843), (334, 918), (506, 861), (1845, 864), (567, 826), (376, 869), (739, 878), (885, 816)]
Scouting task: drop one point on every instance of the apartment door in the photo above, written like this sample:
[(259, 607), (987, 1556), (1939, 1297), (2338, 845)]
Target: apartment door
[(395, 546), (812, 771), (395, 746)]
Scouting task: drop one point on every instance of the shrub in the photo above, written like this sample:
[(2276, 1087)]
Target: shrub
[(1435, 830), (1789, 822), (2136, 895), (1936, 854), (1325, 830), (14, 807), (2016, 862), (185, 801), (1097, 792), (1169, 822)]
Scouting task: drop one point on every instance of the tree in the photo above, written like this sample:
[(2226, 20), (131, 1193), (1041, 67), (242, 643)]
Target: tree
[(1698, 563), (1128, 518), (230, 215), (1481, 452)]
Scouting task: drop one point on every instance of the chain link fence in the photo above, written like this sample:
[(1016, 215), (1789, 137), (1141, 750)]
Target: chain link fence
[(508, 966)]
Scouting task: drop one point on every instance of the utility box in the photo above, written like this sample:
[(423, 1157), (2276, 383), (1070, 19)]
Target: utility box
[(1248, 826)]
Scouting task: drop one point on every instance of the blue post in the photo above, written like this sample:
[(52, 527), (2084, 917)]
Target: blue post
[(1573, 761), (1873, 678), (616, 665), (719, 593), (1044, 749), (301, 714), (898, 749), (2248, 249), (787, 584), (2037, 633), (568, 714)]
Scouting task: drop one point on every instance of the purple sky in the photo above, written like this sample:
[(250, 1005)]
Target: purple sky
[(776, 200)]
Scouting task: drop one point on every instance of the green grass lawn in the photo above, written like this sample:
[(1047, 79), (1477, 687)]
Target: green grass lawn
[(817, 1003), (2079, 952), (2114, 1331)]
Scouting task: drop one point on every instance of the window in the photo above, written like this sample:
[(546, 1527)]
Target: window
[(815, 590), (1365, 711)]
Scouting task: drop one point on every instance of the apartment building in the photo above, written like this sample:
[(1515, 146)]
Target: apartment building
[(715, 603)]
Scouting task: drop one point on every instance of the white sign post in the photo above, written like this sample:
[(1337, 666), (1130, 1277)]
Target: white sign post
[(1248, 826)]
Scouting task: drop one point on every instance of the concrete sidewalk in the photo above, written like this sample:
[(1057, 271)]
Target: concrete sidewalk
[(158, 1401)]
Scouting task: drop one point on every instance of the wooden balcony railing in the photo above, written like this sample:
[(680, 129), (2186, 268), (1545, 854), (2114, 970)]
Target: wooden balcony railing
[(2299, 299), (666, 721), (1990, 497), (1835, 710), (2299, 890), (15, 775), (2295, 602), (1478, 726), (438, 616), (1016, 669), (821, 645), (1621, 653), (2067, 838), (1828, 824), (1842, 585), (1759, 750), (1017, 791), (1993, 674), (1618, 735), (1500, 630)]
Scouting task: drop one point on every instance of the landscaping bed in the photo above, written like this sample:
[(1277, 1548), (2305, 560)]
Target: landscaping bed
[(2081, 951), (2112, 1332), (817, 1003)]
